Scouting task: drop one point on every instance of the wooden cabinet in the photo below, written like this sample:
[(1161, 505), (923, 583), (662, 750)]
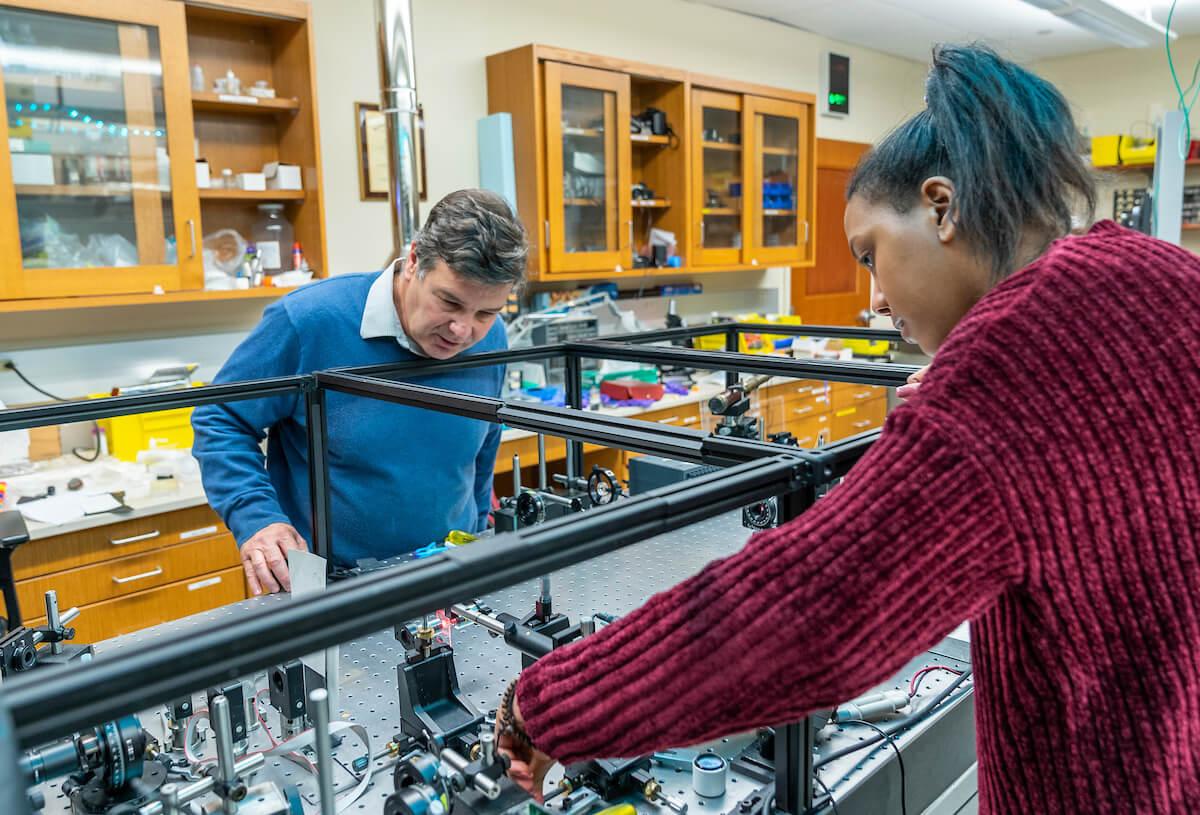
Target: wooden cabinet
[(104, 130), (98, 160), (592, 186), (588, 169), (132, 574)]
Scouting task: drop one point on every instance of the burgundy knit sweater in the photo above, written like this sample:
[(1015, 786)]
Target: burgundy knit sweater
[(1044, 484)]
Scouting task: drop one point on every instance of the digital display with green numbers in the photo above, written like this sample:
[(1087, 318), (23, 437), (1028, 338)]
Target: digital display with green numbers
[(838, 96)]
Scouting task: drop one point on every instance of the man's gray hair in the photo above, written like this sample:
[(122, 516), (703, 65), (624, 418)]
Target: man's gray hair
[(477, 235)]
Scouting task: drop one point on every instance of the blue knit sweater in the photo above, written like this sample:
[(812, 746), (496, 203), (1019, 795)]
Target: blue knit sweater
[(400, 477)]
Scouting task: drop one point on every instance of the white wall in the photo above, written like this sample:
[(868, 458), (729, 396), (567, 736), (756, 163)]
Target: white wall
[(453, 39)]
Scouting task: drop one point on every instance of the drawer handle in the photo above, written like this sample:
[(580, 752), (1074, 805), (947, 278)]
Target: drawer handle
[(804, 442), (864, 394), (803, 410), (863, 423), (668, 420), (152, 573), (134, 539), (805, 390), (204, 584), (691, 420)]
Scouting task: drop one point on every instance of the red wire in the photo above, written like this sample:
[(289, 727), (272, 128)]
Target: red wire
[(912, 685)]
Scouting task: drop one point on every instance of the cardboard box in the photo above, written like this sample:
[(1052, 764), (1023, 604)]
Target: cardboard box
[(32, 168), (203, 175), (251, 181), (282, 176)]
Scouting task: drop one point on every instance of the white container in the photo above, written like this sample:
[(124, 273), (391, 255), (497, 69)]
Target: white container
[(282, 176), (251, 181), (32, 168), (203, 175)]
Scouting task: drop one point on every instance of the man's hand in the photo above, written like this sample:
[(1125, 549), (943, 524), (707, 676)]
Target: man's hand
[(264, 557), (909, 390), (527, 765)]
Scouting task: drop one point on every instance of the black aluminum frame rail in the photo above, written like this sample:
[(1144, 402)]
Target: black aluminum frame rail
[(83, 410), (45, 707)]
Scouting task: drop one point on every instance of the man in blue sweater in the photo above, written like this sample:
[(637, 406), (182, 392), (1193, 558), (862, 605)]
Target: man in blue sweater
[(401, 477)]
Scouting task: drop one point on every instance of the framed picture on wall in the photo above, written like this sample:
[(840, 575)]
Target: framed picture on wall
[(373, 152)]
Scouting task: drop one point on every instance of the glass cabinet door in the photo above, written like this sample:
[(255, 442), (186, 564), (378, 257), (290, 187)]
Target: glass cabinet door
[(99, 151), (719, 165), (779, 181), (588, 169)]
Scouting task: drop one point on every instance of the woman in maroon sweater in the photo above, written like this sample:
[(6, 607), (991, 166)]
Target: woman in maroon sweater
[(1043, 483)]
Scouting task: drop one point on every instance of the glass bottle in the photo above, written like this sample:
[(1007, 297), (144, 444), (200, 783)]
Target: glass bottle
[(274, 238)]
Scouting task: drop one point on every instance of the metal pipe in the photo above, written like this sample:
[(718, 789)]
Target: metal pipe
[(226, 759), (480, 619), (541, 461), (52, 619), (318, 703), (190, 792), (398, 78)]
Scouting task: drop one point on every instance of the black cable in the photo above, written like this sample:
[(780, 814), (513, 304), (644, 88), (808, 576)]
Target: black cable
[(897, 725), (828, 795), (12, 366), (899, 759)]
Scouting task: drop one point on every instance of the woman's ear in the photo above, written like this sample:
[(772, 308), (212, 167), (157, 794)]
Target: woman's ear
[(937, 195)]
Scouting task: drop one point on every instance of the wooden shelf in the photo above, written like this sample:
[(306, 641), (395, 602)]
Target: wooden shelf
[(102, 301), (654, 203), (583, 132), (251, 195), (778, 213), (103, 190), (582, 202), (1133, 168), (720, 145), (224, 103), (649, 139), (720, 211), (780, 151)]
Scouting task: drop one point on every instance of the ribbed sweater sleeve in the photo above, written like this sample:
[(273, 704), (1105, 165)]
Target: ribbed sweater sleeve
[(913, 542)]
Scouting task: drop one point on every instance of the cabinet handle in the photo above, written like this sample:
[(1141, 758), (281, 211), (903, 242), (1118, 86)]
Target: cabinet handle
[(134, 539), (192, 233), (152, 573), (691, 420), (547, 223), (631, 235), (806, 231), (804, 442), (863, 423), (807, 389), (204, 584), (804, 410), (702, 232), (668, 420), (864, 395)]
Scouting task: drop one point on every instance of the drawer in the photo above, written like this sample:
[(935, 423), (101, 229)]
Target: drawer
[(101, 543), (800, 389), (813, 431), (129, 574), (122, 615), (679, 416), (847, 394), (850, 421)]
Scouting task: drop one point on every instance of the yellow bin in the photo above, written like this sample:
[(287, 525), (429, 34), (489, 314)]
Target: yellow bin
[(157, 430)]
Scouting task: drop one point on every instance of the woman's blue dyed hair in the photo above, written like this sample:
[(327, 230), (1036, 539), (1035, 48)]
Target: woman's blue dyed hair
[(1007, 140)]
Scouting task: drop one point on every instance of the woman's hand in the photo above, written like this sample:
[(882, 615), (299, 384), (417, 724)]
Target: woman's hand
[(909, 390), (527, 765)]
